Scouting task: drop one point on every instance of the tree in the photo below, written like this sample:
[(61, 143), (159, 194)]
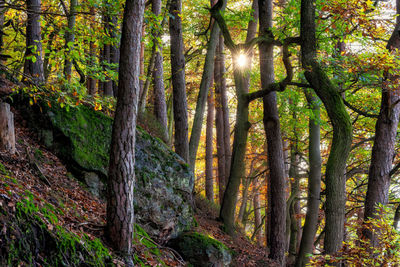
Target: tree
[(69, 37), (209, 148), (342, 130), (383, 150), (121, 174), (277, 178), (33, 55), (181, 141)]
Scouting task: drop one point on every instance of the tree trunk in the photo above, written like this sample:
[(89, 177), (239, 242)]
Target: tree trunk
[(205, 83), (181, 141), (396, 217), (7, 131), (342, 131), (314, 184), (274, 140), (69, 39), (209, 148), (294, 206), (383, 151), (257, 214), (120, 214), (90, 81), (160, 104), (220, 88), (33, 55), (2, 16)]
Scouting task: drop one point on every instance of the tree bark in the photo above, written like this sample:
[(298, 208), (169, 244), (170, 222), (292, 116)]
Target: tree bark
[(209, 148), (314, 184), (160, 104), (7, 131), (33, 55), (120, 214), (383, 150), (69, 39), (181, 141), (274, 140), (342, 131), (220, 89)]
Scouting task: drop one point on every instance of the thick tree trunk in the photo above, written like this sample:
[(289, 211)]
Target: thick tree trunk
[(383, 150), (181, 141), (160, 104), (276, 161), (314, 185), (120, 214), (342, 131), (34, 62), (7, 131), (209, 148), (69, 39)]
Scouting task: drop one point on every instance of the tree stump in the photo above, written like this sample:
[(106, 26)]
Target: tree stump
[(7, 132)]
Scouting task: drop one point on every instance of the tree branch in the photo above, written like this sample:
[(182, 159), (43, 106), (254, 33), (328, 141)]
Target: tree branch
[(359, 111)]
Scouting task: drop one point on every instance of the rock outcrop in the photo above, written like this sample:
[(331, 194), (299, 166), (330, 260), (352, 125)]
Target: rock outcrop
[(164, 182)]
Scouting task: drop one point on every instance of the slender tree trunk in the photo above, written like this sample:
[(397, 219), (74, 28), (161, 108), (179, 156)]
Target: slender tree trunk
[(342, 131), (314, 184), (34, 62), (2, 16), (274, 139), (396, 217), (181, 141), (220, 88), (383, 151), (114, 50), (257, 214), (227, 213), (160, 104), (120, 214), (294, 205), (70, 39), (205, 83), (90, 81), (209, 148)]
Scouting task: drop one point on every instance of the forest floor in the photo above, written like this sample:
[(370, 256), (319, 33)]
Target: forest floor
[(39, 171)]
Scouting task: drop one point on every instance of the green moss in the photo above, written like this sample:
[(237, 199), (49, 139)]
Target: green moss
[(3, 170)]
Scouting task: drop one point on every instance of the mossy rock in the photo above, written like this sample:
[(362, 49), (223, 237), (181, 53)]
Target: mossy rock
[(202, 250), (164, 182)]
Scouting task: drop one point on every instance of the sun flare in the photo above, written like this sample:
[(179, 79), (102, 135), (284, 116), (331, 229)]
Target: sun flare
[(241, 60)]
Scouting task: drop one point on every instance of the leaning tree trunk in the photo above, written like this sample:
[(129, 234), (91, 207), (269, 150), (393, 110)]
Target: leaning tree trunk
[(208, 71), (69, 39), (7, 131), (314, 184), (342, 131), (33, 55), (120, 214), (383, 150), (181, 141), (276, 160)]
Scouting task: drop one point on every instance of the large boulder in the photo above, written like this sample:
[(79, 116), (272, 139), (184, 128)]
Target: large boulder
[(201, 250), (164, 182)]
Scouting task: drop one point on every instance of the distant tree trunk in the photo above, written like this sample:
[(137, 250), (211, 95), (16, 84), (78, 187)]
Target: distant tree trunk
[(69, 39), (90, 81), (34, 62), (160, 104), (220, 88), (274, 139), (106, 57), (342, 131), (141, 63), (257, 214), (2, 16), (7, 130), (383, 151), (209, 148), (293, 206), (314, 184), (181, 141), (120, 214), (114, 51), (396, 217)]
